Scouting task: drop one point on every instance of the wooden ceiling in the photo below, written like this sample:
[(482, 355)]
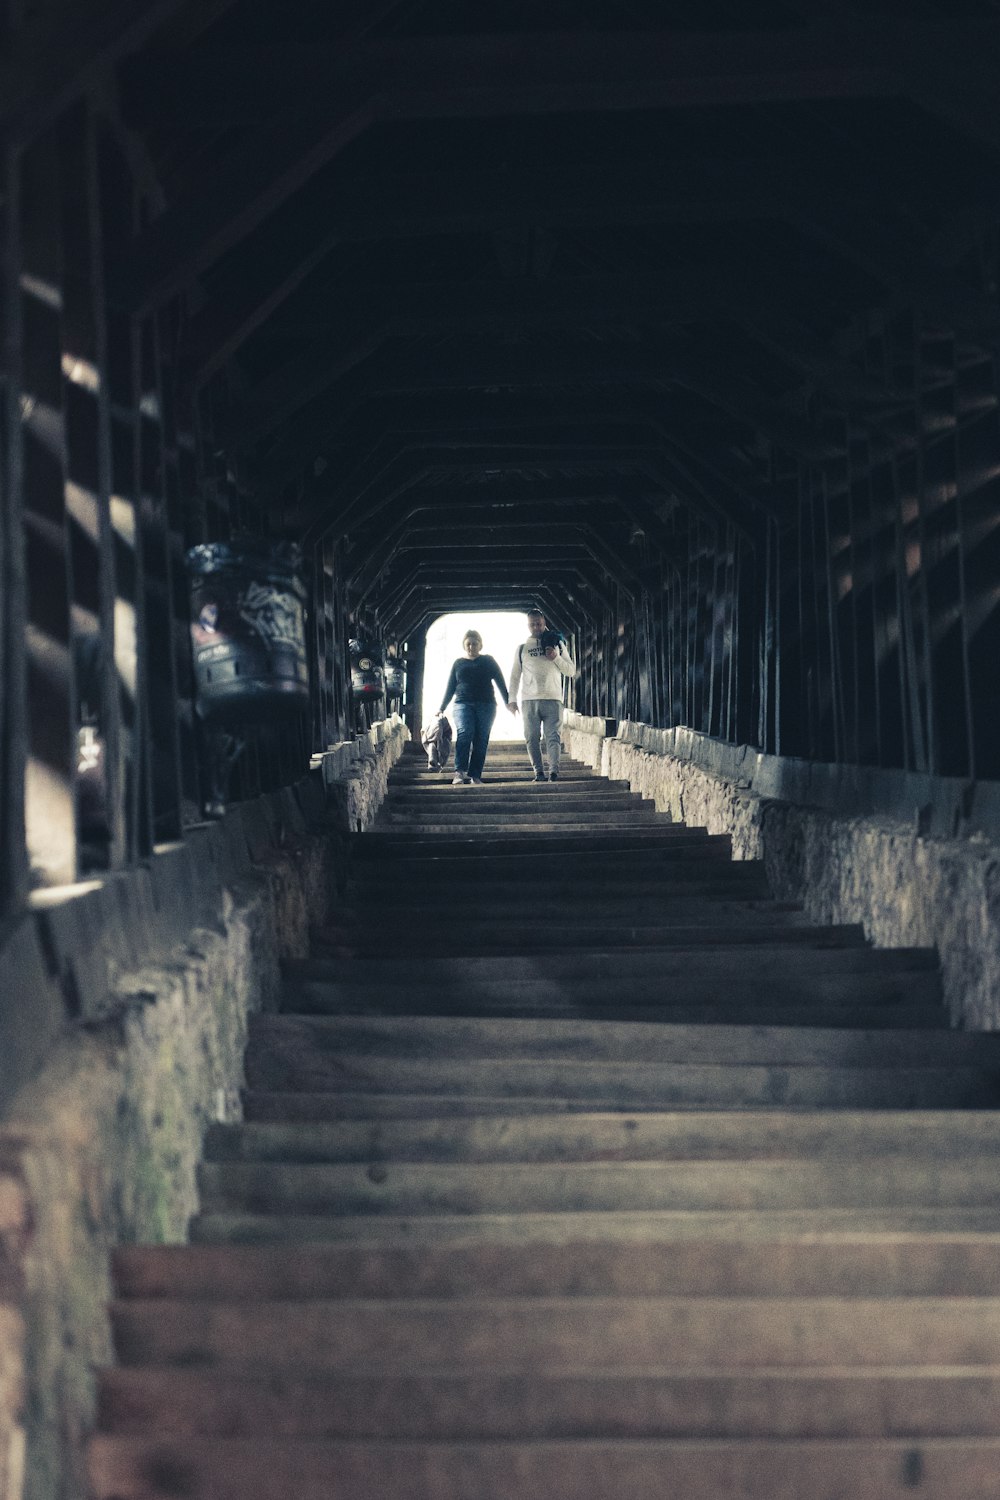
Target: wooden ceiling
[(491, 286)]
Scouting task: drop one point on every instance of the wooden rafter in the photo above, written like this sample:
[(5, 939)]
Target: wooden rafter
[(503, 75)]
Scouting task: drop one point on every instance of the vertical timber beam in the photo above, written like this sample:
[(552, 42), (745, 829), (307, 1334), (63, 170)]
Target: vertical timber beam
[(13, 602), (49, 791), (161, 664), (88, 497)]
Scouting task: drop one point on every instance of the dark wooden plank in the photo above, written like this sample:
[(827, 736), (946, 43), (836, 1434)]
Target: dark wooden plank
[(703, 190), (66, 48), (158, 590), (115, 216), (13, 597), (50, 796), (499, 74), (541, 72)]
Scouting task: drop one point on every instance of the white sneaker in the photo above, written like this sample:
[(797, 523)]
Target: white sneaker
[(458, 779), (476, 780)]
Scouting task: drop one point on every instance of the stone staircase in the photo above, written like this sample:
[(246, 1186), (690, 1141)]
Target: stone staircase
[(575, 1168)]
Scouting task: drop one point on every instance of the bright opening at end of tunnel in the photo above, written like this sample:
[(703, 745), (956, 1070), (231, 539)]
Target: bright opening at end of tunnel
[(502, 633)]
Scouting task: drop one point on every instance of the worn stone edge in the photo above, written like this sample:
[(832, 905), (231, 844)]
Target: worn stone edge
[(906, 886), (101, 1143)]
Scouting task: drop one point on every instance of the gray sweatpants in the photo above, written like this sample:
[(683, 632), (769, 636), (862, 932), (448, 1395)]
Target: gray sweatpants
[(541, 714)]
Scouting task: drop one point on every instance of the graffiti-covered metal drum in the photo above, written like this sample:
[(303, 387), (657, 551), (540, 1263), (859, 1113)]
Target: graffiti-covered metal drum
[(248, 631), (395, 677), (367, 673)]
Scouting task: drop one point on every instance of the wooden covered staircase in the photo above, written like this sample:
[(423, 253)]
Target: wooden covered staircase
[(576, 1168)]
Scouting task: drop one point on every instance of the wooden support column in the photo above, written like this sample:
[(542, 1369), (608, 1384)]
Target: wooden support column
[(161, 689), (101, 812), (177, 445), (13, 600), (116, 198), (51, 712)]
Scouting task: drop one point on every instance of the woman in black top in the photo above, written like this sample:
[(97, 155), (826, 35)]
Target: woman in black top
[(471, 685)]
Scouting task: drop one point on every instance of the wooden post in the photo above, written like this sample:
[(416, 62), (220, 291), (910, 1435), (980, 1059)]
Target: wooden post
[(13, 603), (49, 791)]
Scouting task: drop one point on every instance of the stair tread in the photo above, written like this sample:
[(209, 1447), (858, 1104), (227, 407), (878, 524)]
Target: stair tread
[(698, 1469), (563, 1228), (767, 1401), (680, 1044), (837, 1262), (692, 1195), (692, 1136)]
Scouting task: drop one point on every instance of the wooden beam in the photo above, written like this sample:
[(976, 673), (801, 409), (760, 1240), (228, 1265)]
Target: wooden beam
[(448, 495), (371, 315), (501, 543), (251, 182), (665, 398), (585, 193), (388, 473), (522, 578), (504, 75), (66, 48), (545, 72)]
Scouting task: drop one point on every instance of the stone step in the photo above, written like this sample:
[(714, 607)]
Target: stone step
[(774, 1136), (510, 1230), (903, 1402), (495, 780), (483, 940), (475, 1039), (471, 807), (643, 1005), (600, 1333), (614, 1086), (672, 857), (842, 1263), (746, 992), (123, 1468), (507, 773), (518, 793), (536, 825), (724, 966), (579, 879), (380, 843), (476, 806), (534, 914), (863, 1001), (512, 898), (417, 1188)]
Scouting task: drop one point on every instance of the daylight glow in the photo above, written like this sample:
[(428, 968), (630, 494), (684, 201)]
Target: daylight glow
[(502, 633)]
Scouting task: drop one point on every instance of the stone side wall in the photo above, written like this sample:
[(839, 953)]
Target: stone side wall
[(102, 1145), (907, 889)]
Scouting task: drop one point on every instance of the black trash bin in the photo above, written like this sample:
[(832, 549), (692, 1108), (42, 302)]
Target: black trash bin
[(248, 632), (367, 672), (395, 677)]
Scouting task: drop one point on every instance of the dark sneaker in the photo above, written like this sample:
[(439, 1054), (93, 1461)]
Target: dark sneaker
[(553, 775), (539, 776)]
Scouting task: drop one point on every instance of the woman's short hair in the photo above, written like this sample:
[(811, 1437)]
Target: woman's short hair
[(472, 635)]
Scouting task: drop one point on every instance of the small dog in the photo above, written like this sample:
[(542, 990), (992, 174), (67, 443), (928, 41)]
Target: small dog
[(436, 738)]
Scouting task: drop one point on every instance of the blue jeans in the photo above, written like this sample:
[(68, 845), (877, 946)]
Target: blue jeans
[(538, 714), (473, 722)]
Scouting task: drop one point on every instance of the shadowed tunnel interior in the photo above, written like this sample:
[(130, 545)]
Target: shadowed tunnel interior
[(677, 320)]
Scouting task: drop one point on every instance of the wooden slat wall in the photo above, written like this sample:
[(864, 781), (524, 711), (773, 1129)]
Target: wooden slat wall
[(862, 623), (51, 706)]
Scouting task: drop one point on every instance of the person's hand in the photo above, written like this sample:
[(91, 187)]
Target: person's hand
[(512, 708), (551, 653), (439, 714)]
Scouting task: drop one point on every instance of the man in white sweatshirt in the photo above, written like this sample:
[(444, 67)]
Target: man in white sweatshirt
[(539, 668)]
